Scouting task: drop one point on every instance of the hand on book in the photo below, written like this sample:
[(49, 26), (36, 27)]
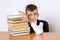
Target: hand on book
[(24, 16)]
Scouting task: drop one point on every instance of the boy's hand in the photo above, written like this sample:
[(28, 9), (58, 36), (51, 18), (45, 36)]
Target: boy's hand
[(24, 16)]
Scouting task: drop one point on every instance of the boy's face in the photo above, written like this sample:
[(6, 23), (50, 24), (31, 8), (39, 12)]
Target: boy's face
[(32, 15)]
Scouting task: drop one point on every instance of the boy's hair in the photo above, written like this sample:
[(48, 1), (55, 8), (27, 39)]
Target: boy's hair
[(31, 7)]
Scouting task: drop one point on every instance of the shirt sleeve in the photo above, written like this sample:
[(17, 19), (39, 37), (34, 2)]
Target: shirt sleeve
[(37, 28)]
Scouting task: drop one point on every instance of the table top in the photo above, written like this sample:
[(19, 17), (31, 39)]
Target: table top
[(33, 36)]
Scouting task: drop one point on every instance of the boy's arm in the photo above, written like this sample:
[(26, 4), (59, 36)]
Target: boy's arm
[(24, 16)]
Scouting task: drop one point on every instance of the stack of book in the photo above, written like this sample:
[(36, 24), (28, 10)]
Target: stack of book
[(17, 26)]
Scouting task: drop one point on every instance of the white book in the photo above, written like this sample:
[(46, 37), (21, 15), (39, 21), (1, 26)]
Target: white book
[(15, 21), (22, 31), (19, 29), (17, 25), (18, 34), (14, 16)]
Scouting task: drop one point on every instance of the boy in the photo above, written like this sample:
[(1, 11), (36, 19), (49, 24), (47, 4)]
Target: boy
[(32, 17)]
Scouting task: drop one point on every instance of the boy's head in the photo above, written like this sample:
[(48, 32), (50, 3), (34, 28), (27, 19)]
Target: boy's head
[(32, 12)]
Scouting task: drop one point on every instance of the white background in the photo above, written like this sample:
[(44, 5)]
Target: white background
[(49, 10)]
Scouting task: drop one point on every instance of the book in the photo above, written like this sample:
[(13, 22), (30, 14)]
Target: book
[(18, 34), (17, 26), (19, 29)]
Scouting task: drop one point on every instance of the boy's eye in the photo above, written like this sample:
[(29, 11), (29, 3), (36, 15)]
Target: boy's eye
[(35, 13), (30, 14)]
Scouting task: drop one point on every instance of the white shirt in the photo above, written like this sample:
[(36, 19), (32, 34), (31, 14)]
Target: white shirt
[(37, 28)]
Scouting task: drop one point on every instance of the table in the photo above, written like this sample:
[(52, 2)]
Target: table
[(33, 36)]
